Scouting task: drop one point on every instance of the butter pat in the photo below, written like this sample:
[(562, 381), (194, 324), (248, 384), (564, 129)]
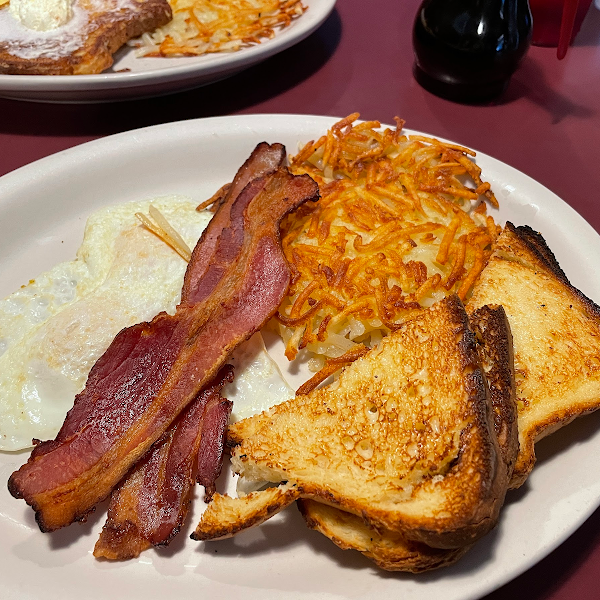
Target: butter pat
[(41, 15)]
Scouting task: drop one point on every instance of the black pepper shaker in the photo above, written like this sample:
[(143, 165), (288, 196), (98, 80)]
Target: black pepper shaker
[(467, 50)]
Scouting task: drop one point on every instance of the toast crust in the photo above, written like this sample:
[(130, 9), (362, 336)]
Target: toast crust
[(110, 24), (556, 332), (495, 347), (404, 439)]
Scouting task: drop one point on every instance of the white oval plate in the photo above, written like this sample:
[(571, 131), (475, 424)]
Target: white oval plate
[(43, 207), (156, 76)]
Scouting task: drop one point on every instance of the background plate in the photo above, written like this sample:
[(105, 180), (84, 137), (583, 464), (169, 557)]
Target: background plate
[(43, 207), (156, 76)]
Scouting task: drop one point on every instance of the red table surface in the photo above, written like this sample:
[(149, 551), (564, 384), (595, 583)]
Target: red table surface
[(547, 125)]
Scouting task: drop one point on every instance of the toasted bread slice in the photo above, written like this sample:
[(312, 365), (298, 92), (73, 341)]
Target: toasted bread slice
[(556, 335), (404, 438), (86, 44), (392, 551)]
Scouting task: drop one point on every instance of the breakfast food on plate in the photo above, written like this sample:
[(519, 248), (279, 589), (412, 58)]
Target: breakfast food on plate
[(204, 27), (84, 44), (152, 371), (404, 438), (391, 550), (556, 331), (397, 229), (406, 457), (76, 37)]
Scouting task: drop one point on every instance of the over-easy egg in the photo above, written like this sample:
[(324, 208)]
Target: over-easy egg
[(53, 329)]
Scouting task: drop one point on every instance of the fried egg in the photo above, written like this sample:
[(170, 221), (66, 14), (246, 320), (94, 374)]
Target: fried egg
[(55, 328)]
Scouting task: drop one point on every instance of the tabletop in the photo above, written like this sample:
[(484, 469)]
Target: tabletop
[(546, 124)]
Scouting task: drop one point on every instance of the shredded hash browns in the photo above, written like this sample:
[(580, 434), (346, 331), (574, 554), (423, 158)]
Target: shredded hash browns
[(203, 26), (401, 223)]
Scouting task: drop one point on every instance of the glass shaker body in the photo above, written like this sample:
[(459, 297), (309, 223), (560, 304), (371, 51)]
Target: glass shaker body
[(467, 50)]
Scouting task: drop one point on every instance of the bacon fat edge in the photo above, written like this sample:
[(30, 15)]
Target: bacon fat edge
[(150, 505), (152, 371)]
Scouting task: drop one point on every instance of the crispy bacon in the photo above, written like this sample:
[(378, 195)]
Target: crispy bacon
[(150, 505), (152, 371)]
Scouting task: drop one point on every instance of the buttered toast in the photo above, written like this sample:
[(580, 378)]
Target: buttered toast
[(392, 551), (556, 336), (85, 44), (404, 438)]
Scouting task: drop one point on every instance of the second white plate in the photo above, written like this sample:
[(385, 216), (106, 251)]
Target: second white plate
[(132, 77)]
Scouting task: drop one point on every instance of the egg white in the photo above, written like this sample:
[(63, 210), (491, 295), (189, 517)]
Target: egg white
[(55, 328), (258, 383)]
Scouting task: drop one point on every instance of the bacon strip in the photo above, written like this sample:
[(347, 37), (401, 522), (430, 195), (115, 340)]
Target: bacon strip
[(264, 160), (150, 506), (152, 371), (210, 453)]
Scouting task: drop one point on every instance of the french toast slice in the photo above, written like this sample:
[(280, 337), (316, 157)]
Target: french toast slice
[(86, 44), (556, 336), (392, 551), (404, 438)]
